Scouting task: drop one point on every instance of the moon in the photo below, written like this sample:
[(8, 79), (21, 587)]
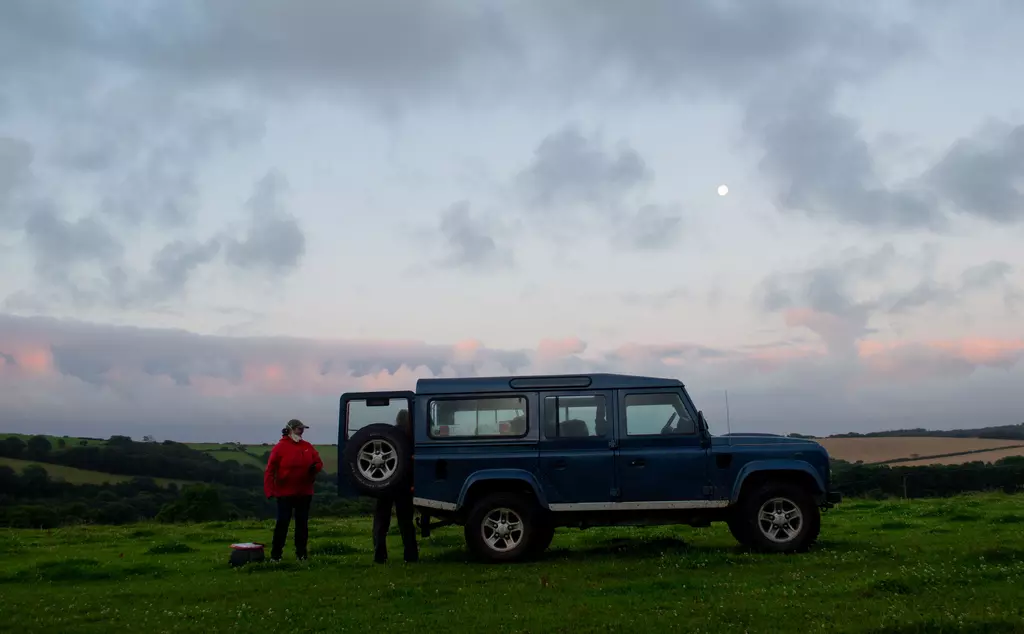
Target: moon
[(723, 190)]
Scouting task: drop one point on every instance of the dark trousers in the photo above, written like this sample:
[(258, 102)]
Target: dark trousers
[(286, 506), (382, 522)]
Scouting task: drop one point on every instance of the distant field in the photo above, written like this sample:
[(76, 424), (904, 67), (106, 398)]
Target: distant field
[(237, 456), (79, 476), (871, 450), (898, 567), (253, 455), (988, 456)]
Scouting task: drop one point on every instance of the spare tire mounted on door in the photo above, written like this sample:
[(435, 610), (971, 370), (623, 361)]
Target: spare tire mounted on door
[(378, 459)]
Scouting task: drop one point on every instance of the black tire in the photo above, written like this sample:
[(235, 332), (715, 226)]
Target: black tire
[(392, 474), (738, 530), (545, 534), (751, 531), (506, 549)]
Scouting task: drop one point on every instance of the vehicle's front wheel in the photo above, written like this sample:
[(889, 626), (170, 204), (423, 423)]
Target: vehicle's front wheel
[(777, 518), (503, 527)]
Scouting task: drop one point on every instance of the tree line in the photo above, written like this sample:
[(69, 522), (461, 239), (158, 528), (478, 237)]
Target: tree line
[(228, 490)]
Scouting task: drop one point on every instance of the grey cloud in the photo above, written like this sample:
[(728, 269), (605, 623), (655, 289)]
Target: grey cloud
[(144, 146), (982, 175), (15, 162), (174, 264), (569, 168), (824, 168), (828, 291), (60, 245), (824, 298), (653, 227), (470, 241), (577, 178), (273, 241), (392, 53), (974, 279)]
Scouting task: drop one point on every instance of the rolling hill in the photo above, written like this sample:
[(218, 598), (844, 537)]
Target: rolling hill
[(72, 475)]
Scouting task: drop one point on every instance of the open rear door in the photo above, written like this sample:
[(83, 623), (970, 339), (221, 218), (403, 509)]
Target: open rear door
[(359, 409)]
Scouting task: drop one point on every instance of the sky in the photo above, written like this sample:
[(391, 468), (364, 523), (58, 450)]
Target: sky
[(217, 216)]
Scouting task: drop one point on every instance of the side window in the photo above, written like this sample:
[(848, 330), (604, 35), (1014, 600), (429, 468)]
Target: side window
[(365, 412), (575, 417), (656, 414), (485, 417)]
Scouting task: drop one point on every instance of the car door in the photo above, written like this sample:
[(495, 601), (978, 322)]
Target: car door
[(660, 458), (359, 409), (577, 455)]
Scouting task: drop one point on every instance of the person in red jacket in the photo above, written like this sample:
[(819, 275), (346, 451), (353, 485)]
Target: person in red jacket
[(291, 471)]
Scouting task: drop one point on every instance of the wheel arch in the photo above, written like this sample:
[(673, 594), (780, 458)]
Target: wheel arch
[(755, 474), (489, 481)]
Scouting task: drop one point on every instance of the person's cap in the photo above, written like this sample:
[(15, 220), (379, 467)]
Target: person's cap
[(296, 424)]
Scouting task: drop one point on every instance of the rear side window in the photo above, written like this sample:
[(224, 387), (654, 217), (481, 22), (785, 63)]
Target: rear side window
[(363, 412), (657, 413), (482, 417), (575, 417)]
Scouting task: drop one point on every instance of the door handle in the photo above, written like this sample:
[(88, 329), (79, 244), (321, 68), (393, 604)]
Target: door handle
[(560, 464), (639, 462)]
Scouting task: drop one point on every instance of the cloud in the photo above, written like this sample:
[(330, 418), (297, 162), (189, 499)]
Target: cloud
[(577, 179), (822, 298), (839, 298), (824, 168), (569, 169), (982, 175), (15, 160), (80, 378), (273, 241), (394, 57), (929, 293), (470, 240)]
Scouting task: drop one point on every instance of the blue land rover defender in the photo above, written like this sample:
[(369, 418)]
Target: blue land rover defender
[(512, 458)]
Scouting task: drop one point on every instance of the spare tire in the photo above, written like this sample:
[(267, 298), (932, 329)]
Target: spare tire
[(378, 460)]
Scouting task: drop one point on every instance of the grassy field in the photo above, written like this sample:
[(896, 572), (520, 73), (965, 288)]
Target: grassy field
[(872, 450), (79, 476), (988, 456), (921, 566)]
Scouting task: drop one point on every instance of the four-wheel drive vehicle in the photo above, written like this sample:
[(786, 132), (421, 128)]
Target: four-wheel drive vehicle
[(512, 458)]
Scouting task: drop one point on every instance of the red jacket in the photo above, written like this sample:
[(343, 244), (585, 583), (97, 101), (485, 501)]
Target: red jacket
[(288, 470)]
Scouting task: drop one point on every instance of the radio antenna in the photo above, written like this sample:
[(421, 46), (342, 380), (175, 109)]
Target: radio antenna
[(728, 421)]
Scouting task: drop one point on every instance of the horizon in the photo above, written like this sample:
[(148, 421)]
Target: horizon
[(217, 217)]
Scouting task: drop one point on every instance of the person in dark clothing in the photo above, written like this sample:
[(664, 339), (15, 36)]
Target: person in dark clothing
[(291, 471), (402, 502)]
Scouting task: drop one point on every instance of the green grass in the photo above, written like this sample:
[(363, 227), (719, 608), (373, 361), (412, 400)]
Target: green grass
[(80, 476), (879, 567)]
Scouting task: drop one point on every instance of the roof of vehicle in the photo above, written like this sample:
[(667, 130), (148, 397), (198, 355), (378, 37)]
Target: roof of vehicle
[(599, 381)]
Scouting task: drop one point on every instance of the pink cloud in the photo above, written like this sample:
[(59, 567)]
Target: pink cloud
[(551, 349), (916, 360)]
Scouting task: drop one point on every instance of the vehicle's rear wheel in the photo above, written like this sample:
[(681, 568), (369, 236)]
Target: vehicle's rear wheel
[(503, 527), (378, 459), (777, 518)]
